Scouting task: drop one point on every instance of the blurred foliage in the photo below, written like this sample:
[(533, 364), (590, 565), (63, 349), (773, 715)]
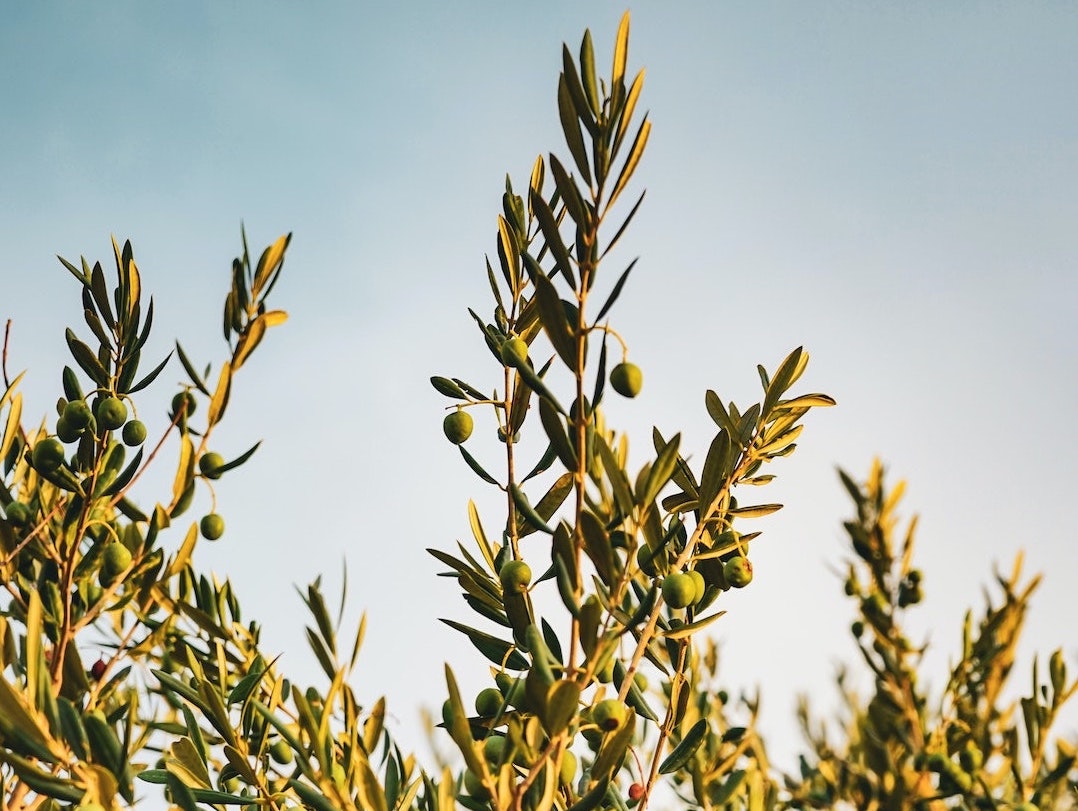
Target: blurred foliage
[(609, 696), (902, 747)]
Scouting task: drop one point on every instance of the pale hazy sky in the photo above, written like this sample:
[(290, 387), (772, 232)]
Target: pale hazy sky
[(892, 185)]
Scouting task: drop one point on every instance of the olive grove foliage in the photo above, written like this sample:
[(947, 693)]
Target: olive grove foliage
[(590, 603)]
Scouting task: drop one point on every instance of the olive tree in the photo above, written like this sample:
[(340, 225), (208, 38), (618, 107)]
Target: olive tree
[(590, 591), (603, 572)]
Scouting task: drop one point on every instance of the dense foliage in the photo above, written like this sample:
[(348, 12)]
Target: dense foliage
[(590, 602)]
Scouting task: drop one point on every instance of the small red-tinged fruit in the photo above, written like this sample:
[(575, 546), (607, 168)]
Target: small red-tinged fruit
[(515, 576), (627, 379), (458, 426), (679, 590), (111, 413), (210, 465), (48, 454), (212, 526), (738, 572), (608, 714), (134, 433), (97, 669), (636, 792)]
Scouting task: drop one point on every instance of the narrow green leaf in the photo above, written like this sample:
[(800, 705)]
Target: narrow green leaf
[(498, 651), (552, 237), (459, 729), (100, 292), (627, 169), (509, 254), (616, 291), (597, 545), (121, 481), (544, 463), (662, 470), (551, 500), (807, 401), (594, 796), (723, 794), (476, 467), (245, 686), (447, 387), (757, 511), (190, 369), (562, 700), (310, 796), (570, 116), (239, 460), (621, 52), (683, 631), (619, 482), (58, 788), (718, 413), (787, 374), (87, 360), (527, 510), (625, 115), (575, 206), (151, 377), (587, 73)]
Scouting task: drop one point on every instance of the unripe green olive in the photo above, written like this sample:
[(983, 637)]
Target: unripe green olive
[(457, 426), (48, 454), (515, 576), (627, 379), (77, 414), (212, 526), (210, 463), (134, 433), (488, 701), (679, 590), (111, 413), (515, 351)]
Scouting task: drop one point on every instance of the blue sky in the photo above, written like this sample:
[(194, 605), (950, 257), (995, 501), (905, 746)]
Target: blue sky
[(890, 185)]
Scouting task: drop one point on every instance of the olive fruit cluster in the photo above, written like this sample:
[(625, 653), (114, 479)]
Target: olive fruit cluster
[(110, 414), (909, 590), (683, 589)]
